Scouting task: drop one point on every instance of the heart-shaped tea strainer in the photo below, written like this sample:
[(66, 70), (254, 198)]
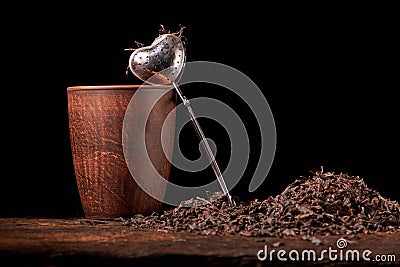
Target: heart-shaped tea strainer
[(162, 63)]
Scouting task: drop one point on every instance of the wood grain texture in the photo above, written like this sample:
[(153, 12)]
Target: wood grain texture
[(96, 114), (69, 242)]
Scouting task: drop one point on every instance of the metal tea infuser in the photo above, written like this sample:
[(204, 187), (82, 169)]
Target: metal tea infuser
[(162, 63)]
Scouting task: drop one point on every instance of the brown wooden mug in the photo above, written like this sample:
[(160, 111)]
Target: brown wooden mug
[(96, 115)]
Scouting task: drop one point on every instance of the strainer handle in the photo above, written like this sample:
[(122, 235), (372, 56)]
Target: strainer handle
[(204, 142)]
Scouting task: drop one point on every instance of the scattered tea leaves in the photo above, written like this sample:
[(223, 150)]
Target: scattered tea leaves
[(324, 203)]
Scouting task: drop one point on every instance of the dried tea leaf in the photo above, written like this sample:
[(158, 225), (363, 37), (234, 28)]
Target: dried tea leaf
[(324, 203)]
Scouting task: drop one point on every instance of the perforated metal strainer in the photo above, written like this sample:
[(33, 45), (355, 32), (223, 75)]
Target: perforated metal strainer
[(162, 63)]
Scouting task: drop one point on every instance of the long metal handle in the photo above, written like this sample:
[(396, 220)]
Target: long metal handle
[(206, 146)]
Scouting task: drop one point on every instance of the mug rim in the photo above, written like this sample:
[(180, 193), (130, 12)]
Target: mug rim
[(117, 87)]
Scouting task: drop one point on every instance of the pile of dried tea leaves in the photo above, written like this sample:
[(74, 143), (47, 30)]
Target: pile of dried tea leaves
[(324, 203)]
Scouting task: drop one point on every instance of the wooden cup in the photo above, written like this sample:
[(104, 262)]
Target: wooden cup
[(96, 115)]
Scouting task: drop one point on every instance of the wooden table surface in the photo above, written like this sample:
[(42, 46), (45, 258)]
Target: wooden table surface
[(77, 242)]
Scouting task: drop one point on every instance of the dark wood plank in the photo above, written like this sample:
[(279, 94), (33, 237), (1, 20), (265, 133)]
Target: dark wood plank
[(66, 242)]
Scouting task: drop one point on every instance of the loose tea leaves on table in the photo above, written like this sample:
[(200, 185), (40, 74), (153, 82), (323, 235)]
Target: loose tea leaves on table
[(324, 203)]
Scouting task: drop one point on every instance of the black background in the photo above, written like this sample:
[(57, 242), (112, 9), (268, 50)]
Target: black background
[(329, 74)]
